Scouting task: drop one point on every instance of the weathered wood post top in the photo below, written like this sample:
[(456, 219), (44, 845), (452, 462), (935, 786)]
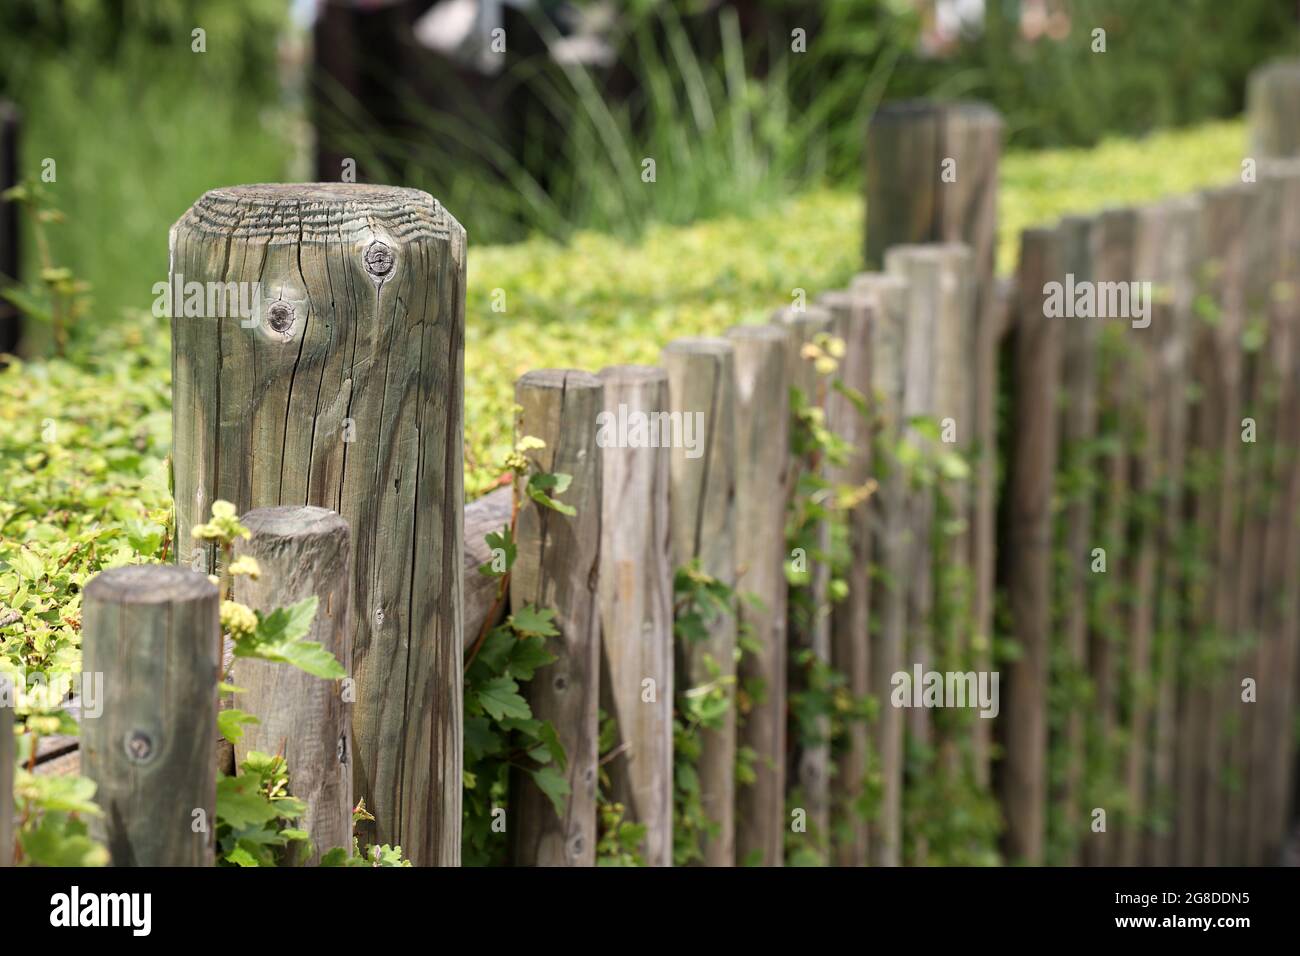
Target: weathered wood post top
[(318, 359)]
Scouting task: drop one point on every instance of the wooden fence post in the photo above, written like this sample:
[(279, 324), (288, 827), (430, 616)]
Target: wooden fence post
[(636, 611), (810, 624), (152, 631), (1032, 470), (888, 602), (303, 552), (11, 329), (557, 568), (7, 758), (851, 314), (763, 474), (702, 502), (1273, 104), (342, 386)]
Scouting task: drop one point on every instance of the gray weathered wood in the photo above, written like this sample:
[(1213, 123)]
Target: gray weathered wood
[(557, 568), (889, 553), (763, 474), (152, 631), (1273, 105), (345, 391), (702, 504), (852, 316), (810, 626), (636, 613), (11, 327), (7, 758), (303, 552), (482, 516), (1032, 470)]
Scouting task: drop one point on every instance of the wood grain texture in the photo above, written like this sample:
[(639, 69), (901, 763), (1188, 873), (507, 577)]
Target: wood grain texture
[(763, 474), (1032, 469), (636, 614), (889, 551), (152, 631), (482, 516), (702, 505), (809, 620), (558, 568), (345, 391), (303, 552), (7, 758), (852, 315)]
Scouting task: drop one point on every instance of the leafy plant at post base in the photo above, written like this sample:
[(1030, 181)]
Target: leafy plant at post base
[(58, 299), (619, 841), (501, 733), (817, 540)]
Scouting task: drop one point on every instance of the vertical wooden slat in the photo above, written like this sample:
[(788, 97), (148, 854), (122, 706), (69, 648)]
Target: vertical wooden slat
[(810, 625), (303, 552), (1032, 466), (851, 315), (10, 318), (888, 602), (557, 568), (1273, 105), (636, 612), (702, 506), (345, 391), (763, 474), (152, 632)]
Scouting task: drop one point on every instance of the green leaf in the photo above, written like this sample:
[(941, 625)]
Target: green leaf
[(240, 804), (287, 623), (500, 698), (552, 783), (279, 638), (230, 724), (533, 621), (541, 486), (60, 840), (527, 656)]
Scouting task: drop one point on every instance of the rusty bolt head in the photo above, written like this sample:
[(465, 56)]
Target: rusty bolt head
[(139, 746), (379, 259)]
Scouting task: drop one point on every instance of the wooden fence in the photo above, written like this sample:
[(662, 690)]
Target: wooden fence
[(1087, 653)]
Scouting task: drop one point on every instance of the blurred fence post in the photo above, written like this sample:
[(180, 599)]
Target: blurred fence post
[(303, 552), (1032, 472), (7, 758), (338, 381), (152, 631), (636, 612), (1273, 105), (557, 568), (763, 474)]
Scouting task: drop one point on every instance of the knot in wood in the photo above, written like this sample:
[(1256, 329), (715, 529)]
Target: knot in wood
[(139, 746), (280, 316), (379, 259)]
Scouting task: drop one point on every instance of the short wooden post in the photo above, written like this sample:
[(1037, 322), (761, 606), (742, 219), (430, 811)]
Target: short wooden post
[(763, 474), (342, 387), (11, 328), (152, 631), (557, 568), (810, 624), (852, 315), (1032, 472), (7, 758), (636, 611), (889, 554), (303, 552), (702, 503), (1273, 104)]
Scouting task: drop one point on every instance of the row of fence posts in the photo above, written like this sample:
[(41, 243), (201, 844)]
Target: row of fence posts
[(1128, 440)]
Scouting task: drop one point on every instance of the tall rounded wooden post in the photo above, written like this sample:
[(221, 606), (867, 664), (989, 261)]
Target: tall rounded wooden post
[(702, 502), (763, 476), (1032, 471), (341, 385), (303, 552), (152, 631), (557, 568), (6, 770), (1273, 105), (636, 612)]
